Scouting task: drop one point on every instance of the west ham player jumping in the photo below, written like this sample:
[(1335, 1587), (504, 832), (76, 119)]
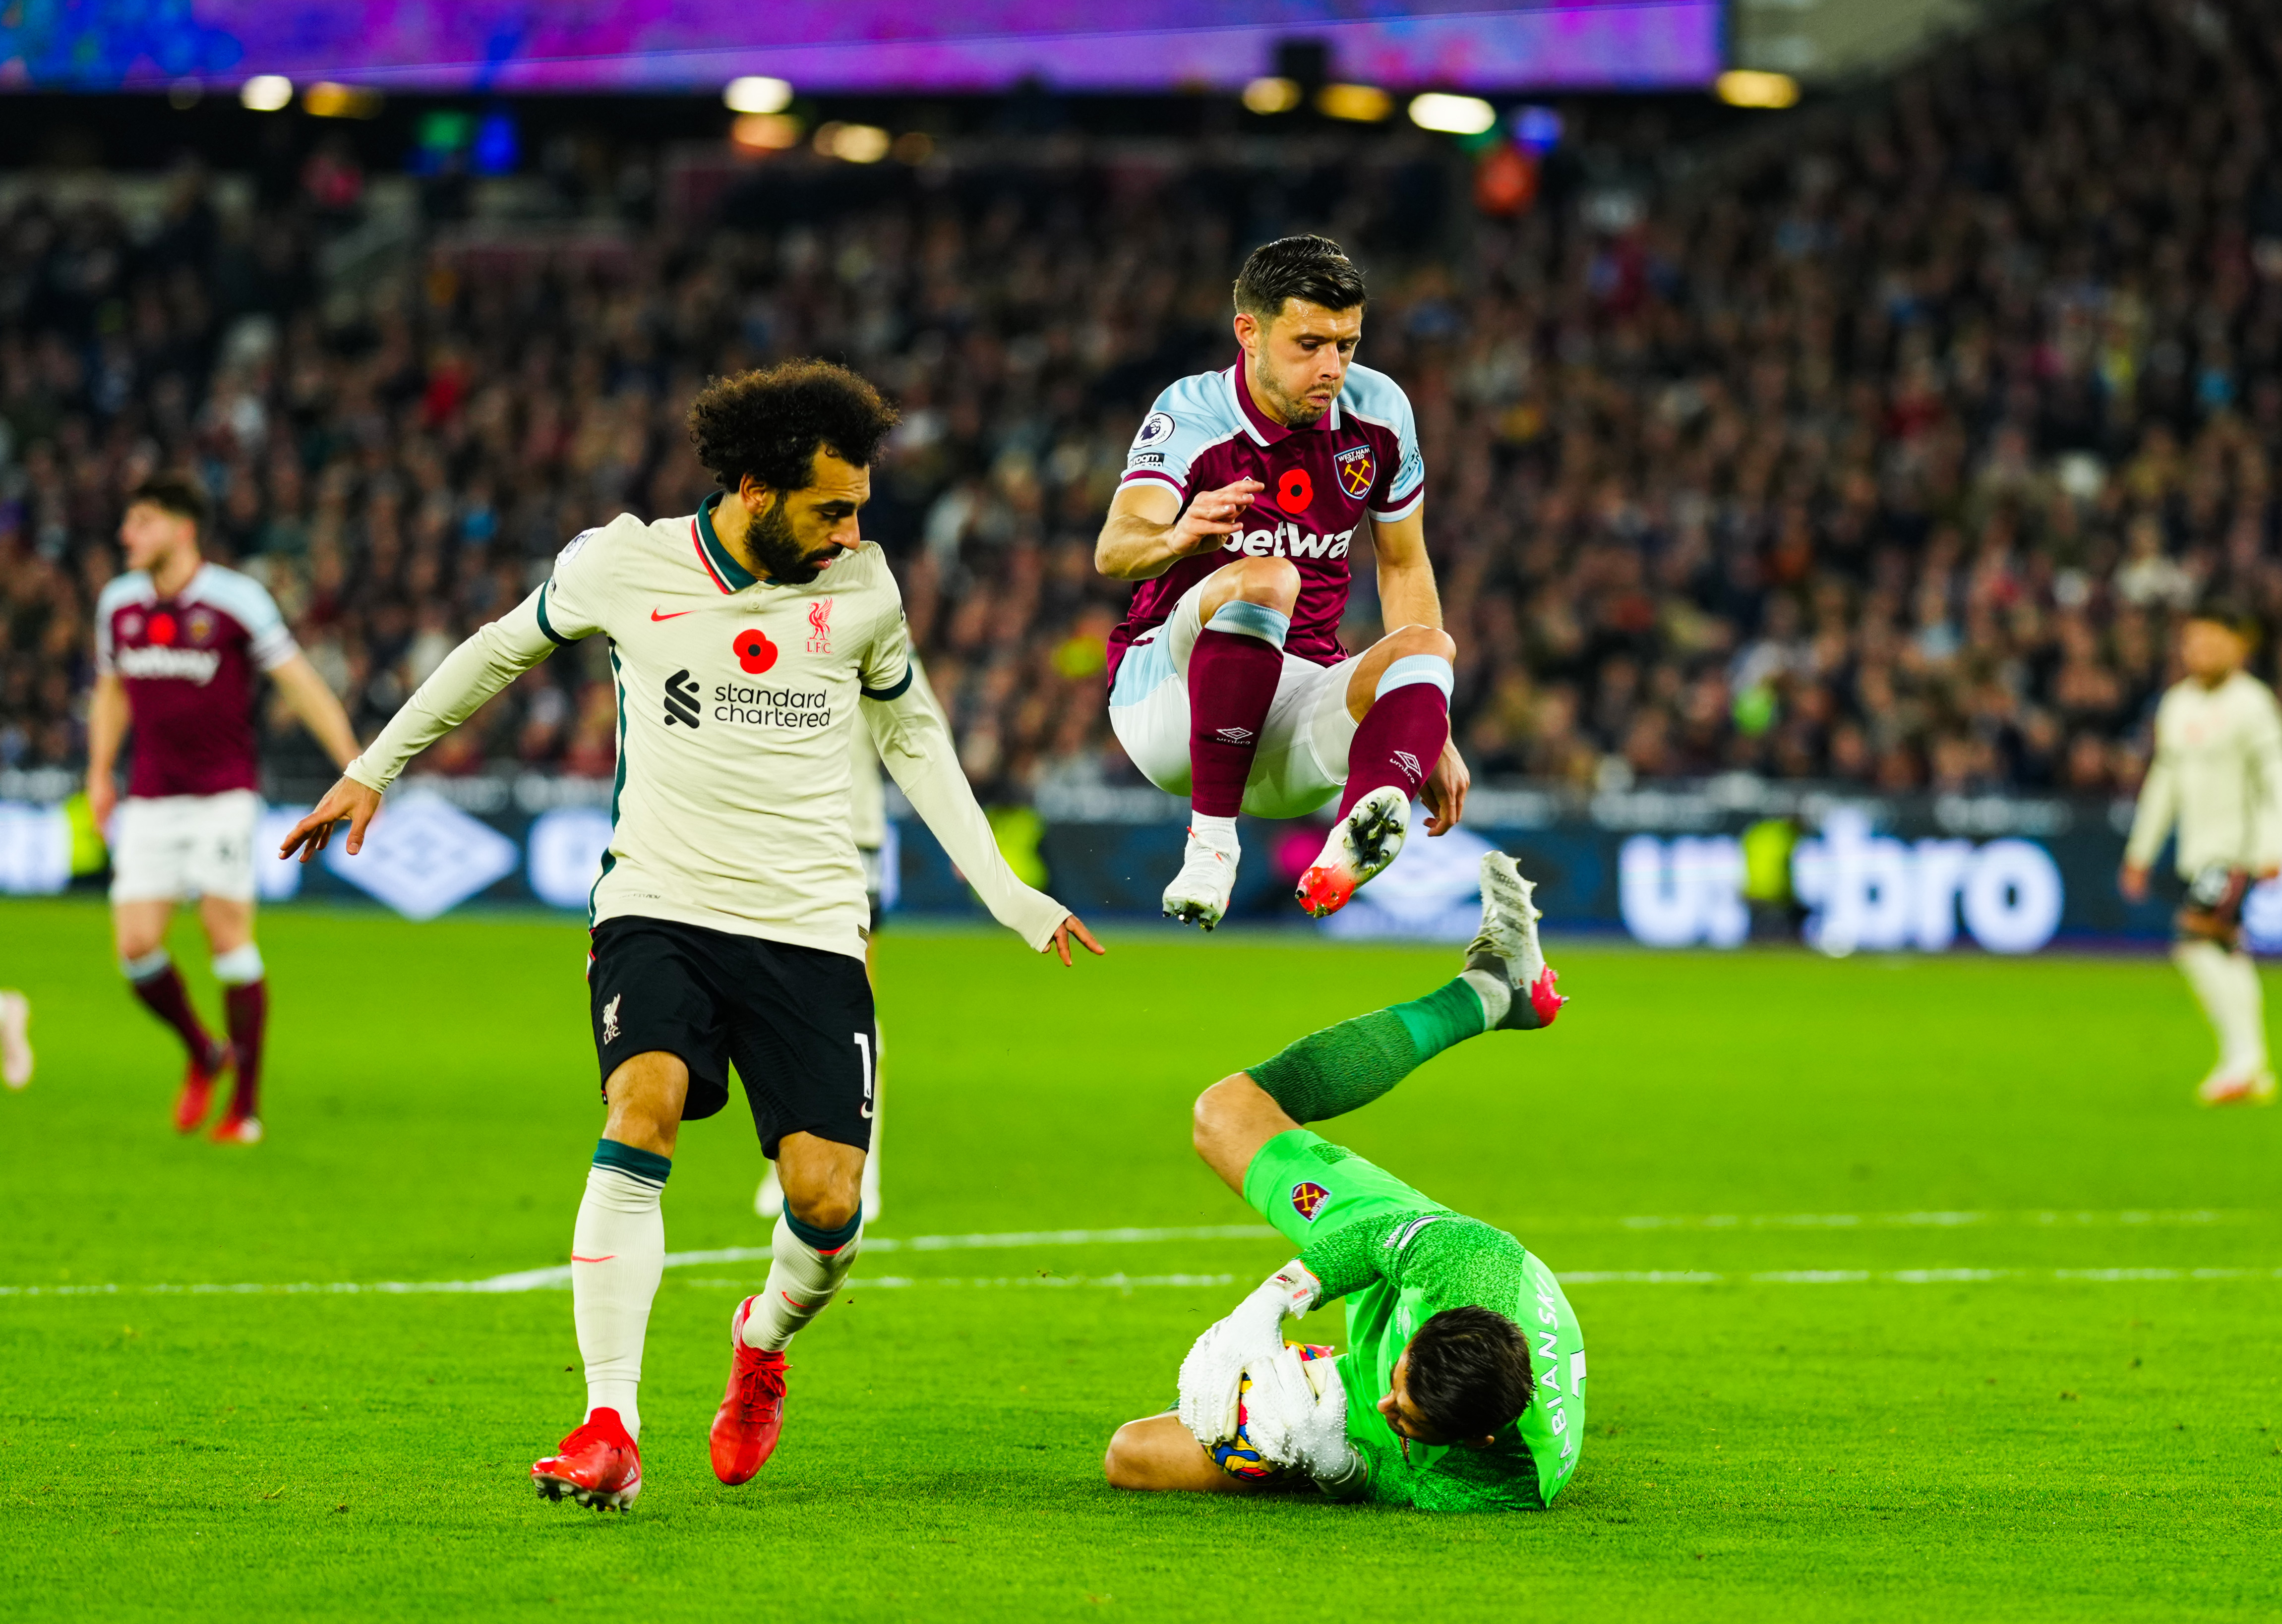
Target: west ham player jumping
[(1462, 1386), (1244, 495), (178, 643), (729, 921)]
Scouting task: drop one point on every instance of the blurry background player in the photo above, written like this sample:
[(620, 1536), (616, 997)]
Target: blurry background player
[(2217, 774), (1227, 682), (178, 643), (867, 806), (1462, 1386)]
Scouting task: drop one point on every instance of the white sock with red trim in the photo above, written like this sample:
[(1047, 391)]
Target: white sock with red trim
[(801, 1280)]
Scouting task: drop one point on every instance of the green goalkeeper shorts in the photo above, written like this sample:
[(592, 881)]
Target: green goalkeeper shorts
[(1307, 1187)]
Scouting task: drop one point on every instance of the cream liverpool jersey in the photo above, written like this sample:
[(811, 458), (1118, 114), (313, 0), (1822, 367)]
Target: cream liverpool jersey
[(2217, 772), (737, 700)]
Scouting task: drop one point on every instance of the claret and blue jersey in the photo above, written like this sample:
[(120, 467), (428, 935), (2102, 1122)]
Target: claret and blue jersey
[(1323, 481)]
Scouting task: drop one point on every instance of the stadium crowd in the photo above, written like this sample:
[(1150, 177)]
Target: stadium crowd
[(1882, 445)]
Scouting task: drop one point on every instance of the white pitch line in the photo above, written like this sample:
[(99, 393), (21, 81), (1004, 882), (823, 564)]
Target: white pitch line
[(538, 1280), (2035, 1218), (557, 1276)]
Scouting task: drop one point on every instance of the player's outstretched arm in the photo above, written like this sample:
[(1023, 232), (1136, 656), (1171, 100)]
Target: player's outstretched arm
[(318, 706), (915, 743), (487, 662), (1148, 531), (2151, 824)]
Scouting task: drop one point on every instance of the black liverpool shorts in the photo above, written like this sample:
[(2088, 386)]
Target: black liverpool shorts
[(2212, 908), (795, 1022)]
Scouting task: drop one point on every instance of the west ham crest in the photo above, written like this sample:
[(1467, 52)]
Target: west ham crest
[(1356, 468), (1307, 1199)]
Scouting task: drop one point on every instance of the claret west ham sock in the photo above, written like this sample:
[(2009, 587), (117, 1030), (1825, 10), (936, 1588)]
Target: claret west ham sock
[(808, 1265), (245, 995), (160, 986), (617, 1253), (1402, 735), (1233, 670)]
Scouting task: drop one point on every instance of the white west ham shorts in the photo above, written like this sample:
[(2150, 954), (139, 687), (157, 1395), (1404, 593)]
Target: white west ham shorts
[(1303, 749), (168, 848)]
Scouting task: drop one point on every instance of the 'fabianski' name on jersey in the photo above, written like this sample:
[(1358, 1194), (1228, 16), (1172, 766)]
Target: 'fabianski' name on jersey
[(735, 699)]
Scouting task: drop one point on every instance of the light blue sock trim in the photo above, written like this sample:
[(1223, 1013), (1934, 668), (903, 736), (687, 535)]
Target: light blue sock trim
[(1417, 669), (239, 967), (150, 965), (1251, 620)]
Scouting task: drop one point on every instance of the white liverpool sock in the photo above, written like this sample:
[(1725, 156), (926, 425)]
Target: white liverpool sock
[(802, 1279), (617, 1253), (2246, 1011), (2226, 985)]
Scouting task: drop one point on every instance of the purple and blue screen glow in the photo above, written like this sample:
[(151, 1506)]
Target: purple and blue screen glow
[(856, 45)]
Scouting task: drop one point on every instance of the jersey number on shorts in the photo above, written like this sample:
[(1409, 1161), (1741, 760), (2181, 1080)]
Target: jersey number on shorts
[(863, 1048)]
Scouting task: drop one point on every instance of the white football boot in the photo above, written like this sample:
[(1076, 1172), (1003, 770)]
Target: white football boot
[(1506, 947), (15, 1043), (1199, 893), (1363, 842)]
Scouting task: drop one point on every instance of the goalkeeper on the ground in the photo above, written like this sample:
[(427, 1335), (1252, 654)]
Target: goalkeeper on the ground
[(1462, 1385)]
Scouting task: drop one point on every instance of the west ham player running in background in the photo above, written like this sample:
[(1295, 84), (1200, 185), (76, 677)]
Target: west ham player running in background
[(178, 645), (729, 922), (1244, 495), (1462, 1386), (2217, 773)]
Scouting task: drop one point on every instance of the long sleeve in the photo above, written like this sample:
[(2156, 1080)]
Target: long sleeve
[(2159, 805), (1452, 1261), (487, 662), (915, 743), (2264, 749)]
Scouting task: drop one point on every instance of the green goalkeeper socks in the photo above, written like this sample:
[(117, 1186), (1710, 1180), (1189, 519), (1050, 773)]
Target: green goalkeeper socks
[(1342, 1068)]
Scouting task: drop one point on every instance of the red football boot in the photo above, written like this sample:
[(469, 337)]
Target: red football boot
[(237, 1127), (199, 1079), (1359, 845), (745, 1427), (597, 1465)]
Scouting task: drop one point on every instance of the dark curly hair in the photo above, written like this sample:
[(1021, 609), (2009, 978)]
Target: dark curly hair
[(771, 422), (1468, 1372)]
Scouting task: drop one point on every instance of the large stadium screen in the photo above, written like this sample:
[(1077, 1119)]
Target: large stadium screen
[(858, 45)]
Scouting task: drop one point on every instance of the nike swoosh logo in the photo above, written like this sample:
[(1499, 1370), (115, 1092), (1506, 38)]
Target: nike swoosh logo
[(676, 615)]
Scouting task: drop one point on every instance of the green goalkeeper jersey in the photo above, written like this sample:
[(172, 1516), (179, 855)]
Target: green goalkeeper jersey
[(1399, 1258)]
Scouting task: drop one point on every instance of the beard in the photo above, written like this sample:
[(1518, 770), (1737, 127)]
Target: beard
[(776, 551), (1295, 411)]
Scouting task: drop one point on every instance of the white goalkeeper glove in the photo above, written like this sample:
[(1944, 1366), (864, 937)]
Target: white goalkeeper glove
[(1211, 1377), (1296, 1415)]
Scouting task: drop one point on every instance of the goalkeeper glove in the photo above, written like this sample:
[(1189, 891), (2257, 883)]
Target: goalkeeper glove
[(1211, 1377), (1297, 1416)]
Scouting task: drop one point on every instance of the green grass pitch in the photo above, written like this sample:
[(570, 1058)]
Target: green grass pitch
[(1868, 1407)]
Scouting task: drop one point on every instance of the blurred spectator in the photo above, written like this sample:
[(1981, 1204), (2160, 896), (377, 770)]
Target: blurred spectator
[(1883, 452)]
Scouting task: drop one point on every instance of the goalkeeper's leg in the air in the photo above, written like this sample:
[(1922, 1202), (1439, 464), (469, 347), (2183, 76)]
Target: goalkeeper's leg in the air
[(1505, 986)]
